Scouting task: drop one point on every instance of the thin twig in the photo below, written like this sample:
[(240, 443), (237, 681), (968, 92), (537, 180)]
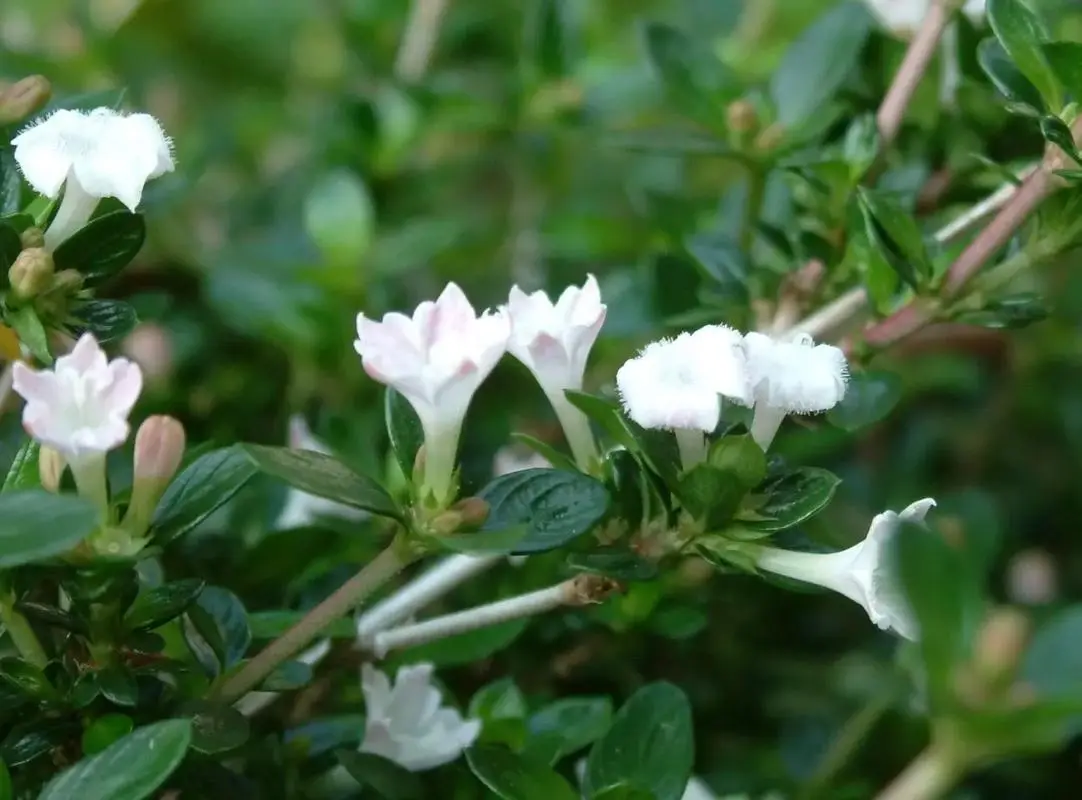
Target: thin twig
[(419, 39)]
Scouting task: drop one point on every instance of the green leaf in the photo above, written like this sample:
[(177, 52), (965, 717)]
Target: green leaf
[(104, 731), (861, 146), (1055, 130), (103, 247), (25, 678), (870, 396), (1065, 59), (272, 624), (501, 708), (793, 498), (38, 525), (10, 247), (215, 728), (1012, 311), (546, 451), (495, 542), (711, 495), (512, 776), (118, 686), (566, 726), (944, 594), (27, 325), (741, 458), (556, 506), (108, 320), (605, 412), (818, 62), (617, 562), (340, 218), (1022, 95), (1023, 36), (131, 768), (650, 745), (223, 623), (693, 77), (287, 677), (1053, 662), (31, 740), (548, 38), (24, 472), (205, 485), (404, 429), (154, 607), (722, 261), (7, 792), (323, 476), (11, 182), (386, 778), (896, 234)]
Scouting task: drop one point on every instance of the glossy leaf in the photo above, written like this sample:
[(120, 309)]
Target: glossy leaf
[(793, 498), (103, 247), (511, 776), (215, 728), (404, 430), (204, 486), (1022, 34), (26, 323), (24, 472), (386, 778), (10, 247), (104, 731), (1011, 83), (155, 607), (108, 320), (566, 726), (38, 525)]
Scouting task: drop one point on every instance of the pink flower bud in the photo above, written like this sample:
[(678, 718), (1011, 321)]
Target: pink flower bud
[(51, 467), (159, 447)]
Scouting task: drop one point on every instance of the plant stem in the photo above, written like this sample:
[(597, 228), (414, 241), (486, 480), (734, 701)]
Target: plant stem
[(419, 39), (753, 207), (849, 739), (351, 594), (929, 776), (915, 63), (22, 635)]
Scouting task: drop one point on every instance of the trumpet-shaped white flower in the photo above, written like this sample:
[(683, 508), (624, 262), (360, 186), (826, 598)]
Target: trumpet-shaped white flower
[(437, 360), (407, 724), (301, 508), (553, 340), (678, 384), (903, 17), (863, 572), (791, 377), (93, 155), (80, 408)]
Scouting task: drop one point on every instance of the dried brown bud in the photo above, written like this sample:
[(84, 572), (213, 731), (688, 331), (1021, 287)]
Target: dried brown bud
[(23, 98), (32, 273), (585, 590)]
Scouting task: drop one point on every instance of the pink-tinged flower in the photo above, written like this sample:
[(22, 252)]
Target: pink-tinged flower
[(92, 155), (554, 341), (791, 377), (678, 384), (863, 573), (437, 360), (80, 408), (159, 449), (408, 724)]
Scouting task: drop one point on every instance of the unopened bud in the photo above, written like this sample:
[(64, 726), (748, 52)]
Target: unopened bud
[(23, 98), (1000, 645), (770, 138), (445, 523), (51, 466), (32, 237), (741, 116), (67, 281), (32, 273), (473, 510), (159, 448)]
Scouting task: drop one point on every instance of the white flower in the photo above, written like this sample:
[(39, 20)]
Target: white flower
[(510, 459), (554, 341), (791, 377), (436, 360), (302, 509), (407, 724), (93, 155), (863, 572), (903, 17), (80, 408), (678, 384)]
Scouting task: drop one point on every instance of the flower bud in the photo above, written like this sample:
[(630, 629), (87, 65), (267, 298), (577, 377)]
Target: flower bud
[(32, 273), (67, 281), (159, 448), (23, 98), (1000, 644), (51, 465), (32, 237), (473, 510), (741, 117)]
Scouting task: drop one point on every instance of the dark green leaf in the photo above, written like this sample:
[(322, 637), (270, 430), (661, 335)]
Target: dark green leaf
[(1013, 311), (693, 77), (104, 731), (501, 708), (215, 728), (25, 678), (108, 320), (51, 615), (404, 430), (555, 505), (324, 734), (861, 146), (323, 476), (11, 182), (287, 677), (1023, 36), (30, 740), (155, 607), (131, 768), (547, 38), (711, 495), (818, 62), (118, 686), (205, 485), (741, 458), (223, 623), (1065, 59), (613, 562), (870, 396), (24, 472), (893, 230), (38, 525), (387, 779), (511, 776), (565, 726), (272, 624), (7, 792), (10, 247), (26, 323), (793, 498), (721, 260), (606, 413), (650, 745), (1055, 130), (1022, 95), (104, 247)]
